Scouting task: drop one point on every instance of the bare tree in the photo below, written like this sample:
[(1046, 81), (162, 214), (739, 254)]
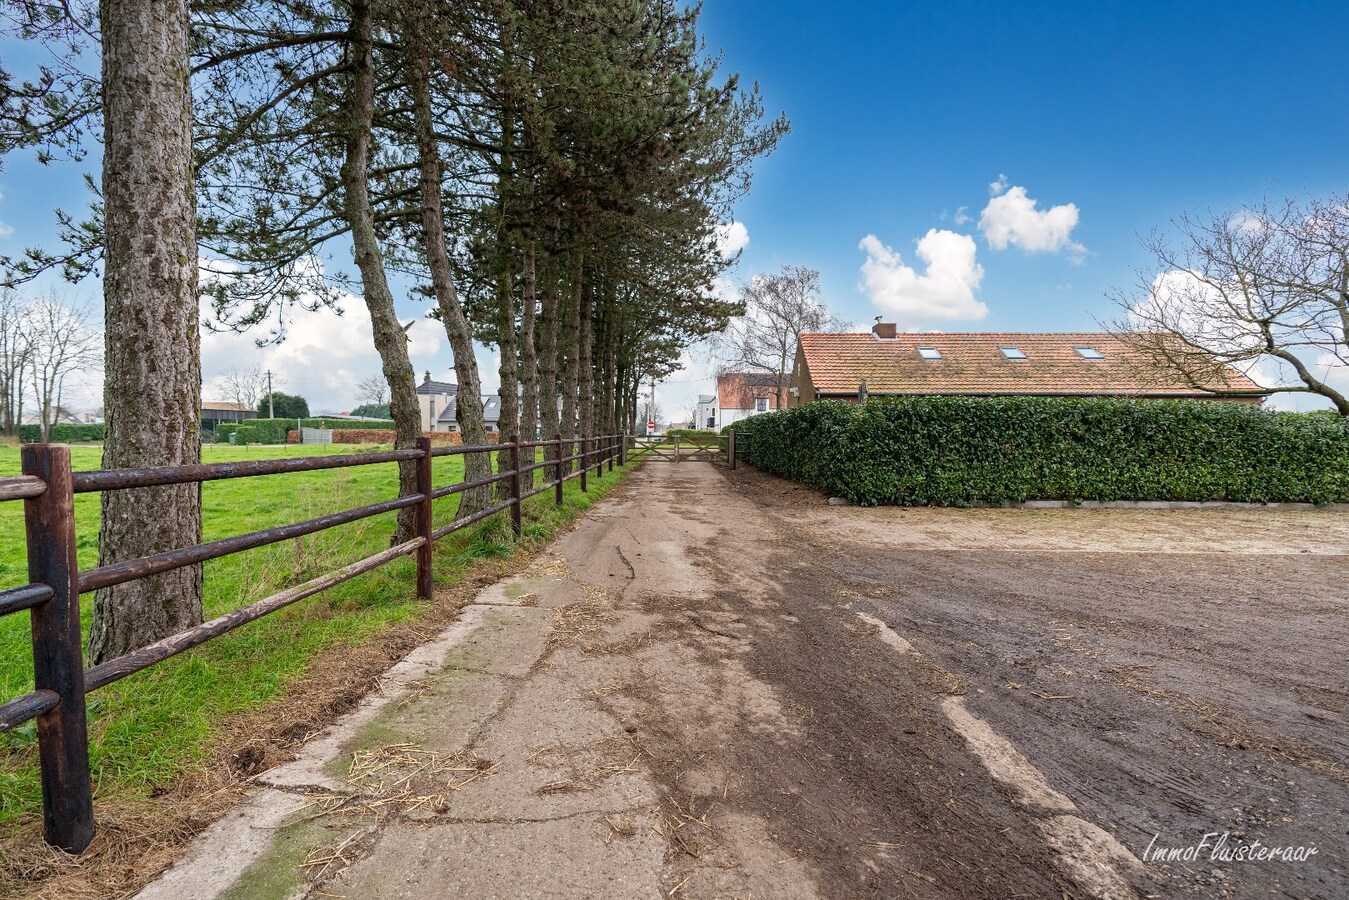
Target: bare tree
[(374, 390), (1264, 287), (243, 386), (15, 351), (779, 308), (62, 339)]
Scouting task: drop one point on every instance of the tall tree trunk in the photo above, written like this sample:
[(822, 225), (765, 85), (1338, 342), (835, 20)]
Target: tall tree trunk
[(547, 336), (585, 387), (510, 368), (468, 402), (610, 383), (152, 363), (608, 419), (567, 354), (529, 364), (391, 341)]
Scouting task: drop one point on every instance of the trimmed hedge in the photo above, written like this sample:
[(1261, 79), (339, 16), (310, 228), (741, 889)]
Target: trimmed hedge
[(958, 451), (63, 433), (273, 431), (705, 436), (382, 436)]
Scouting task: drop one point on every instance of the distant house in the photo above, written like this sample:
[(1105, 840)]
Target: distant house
[(992, 364), (739, 396), (705, 415), (214, 412), (438, 401)]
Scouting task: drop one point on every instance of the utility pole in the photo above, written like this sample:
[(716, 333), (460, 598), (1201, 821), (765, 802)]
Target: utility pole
[(271, 410)]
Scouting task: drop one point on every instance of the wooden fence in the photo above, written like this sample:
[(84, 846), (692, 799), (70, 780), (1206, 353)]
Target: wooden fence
[(48, 487)]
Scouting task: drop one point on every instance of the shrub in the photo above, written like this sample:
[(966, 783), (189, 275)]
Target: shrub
[(372, 425), (957, 451), (692, 435), (248, 434), (63, 433)]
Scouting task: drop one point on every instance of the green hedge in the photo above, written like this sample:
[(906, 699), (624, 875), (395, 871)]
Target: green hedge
[(62, 433), (273, 431), (257, 431), (958, 451), (692, 435)]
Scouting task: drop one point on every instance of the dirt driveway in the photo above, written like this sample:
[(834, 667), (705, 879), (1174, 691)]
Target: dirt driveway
[(717, 686), (1173, 673)]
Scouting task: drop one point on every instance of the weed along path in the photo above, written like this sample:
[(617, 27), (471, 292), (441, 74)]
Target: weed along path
[(717, 686)]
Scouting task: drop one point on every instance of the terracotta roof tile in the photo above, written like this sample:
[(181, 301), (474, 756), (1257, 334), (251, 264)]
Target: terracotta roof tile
[(971, 363)]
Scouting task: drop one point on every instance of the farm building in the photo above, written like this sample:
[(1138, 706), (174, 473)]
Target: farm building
[(991, 364), (214, 412)]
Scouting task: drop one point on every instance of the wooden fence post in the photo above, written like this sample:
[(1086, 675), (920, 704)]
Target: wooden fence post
[(559, 472), (584, 464), (599, 457), (623, 449), (424, 487), (58, 651), (515, 484), (730, 446), (676, 448), (610, 452)]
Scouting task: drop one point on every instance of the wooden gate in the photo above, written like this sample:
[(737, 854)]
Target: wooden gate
[(677, 450)]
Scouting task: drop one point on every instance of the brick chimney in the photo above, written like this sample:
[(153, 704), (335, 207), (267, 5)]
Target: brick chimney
[(884, 330)]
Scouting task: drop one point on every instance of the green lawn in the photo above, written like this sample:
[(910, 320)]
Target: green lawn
[(145, 729)]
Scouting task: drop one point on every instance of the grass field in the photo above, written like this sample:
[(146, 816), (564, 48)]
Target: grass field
[(145, 729)]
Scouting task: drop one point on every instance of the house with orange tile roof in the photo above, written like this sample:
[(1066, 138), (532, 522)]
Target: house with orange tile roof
[(993, 364), (739, 396)]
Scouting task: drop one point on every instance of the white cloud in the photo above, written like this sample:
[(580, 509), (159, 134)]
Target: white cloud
[(944, 291), (1011, 219), (731, 238), (1186, 303), (1246, 222), (997, 187), (1327, 367), (5, 228), (326, 353), (961, 217), (1181, 301), (677, 394), (323, 358)]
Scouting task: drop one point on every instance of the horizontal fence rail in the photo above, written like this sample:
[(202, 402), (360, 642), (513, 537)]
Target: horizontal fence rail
[(48, 486)]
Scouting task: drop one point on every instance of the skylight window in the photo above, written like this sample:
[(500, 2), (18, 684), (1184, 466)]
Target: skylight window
[(1089, 353), (929, 353), (1012, 352)]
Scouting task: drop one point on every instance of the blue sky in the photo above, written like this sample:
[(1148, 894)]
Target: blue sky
[(902, 117), (902, 114)]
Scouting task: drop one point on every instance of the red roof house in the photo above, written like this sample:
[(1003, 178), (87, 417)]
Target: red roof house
[(991, 364)]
